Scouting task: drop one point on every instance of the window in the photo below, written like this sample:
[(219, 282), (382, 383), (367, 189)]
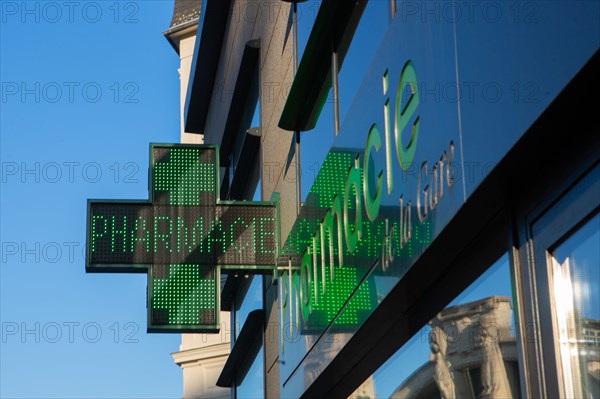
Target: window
[(468, 350), (576, 284), (566, 312)]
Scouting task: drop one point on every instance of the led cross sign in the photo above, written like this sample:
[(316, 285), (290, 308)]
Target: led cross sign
[(183, 236)]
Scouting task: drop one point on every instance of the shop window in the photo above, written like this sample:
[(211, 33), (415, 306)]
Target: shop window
[(566, 273), (468, 350), (576, 285)]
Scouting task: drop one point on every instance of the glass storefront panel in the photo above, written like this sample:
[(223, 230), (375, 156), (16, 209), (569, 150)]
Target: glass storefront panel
[(252, 300), (373, 24), (406, 220), (576, 284), (468, 350), (253, 384), (512, 61)]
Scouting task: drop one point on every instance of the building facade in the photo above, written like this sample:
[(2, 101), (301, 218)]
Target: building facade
[(229, 50), (448, 245), (200, 356)]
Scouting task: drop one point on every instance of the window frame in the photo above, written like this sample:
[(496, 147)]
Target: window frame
[(554, 222)]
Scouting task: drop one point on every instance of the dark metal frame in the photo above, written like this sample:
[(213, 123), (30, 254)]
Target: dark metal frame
[(244, 351), (207, 50), (544, 233), (245, 97), (335, 25)]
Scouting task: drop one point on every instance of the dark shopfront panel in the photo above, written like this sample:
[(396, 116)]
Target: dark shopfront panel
[(536, 155)]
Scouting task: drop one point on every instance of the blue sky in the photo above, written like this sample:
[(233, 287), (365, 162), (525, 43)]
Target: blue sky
[(84, 90)]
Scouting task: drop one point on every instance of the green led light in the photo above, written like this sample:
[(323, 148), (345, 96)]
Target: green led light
[(139, 233), (182, 237), (392, 238), (337, 293), (331, 179), (183, 294), (184, 177)]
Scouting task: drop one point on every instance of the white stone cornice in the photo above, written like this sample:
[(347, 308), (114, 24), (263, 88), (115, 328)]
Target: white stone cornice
[(201, 354)]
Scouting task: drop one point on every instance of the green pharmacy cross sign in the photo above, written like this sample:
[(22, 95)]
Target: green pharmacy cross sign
[(183, 237)]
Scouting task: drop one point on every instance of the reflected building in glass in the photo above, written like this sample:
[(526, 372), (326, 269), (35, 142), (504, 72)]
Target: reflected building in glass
[(473, 354)]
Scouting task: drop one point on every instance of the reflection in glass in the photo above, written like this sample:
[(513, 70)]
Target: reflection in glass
[(468, 350), (469, 345), (576, 284), (252, 385)]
